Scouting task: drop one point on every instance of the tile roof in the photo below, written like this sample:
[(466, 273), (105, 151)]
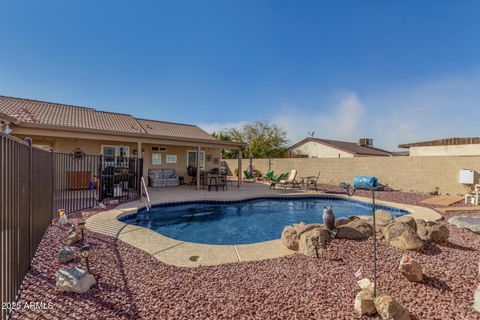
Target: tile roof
[(351, 147), (28, 111)]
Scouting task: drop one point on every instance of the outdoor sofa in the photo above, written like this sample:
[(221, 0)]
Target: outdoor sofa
[(162, 178)]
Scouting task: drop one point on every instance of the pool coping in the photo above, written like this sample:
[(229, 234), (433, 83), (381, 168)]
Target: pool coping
[(189, 254)]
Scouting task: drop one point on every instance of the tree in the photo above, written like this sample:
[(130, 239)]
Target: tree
[(263, 140)]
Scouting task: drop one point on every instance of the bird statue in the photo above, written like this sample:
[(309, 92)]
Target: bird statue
[(328, 218)]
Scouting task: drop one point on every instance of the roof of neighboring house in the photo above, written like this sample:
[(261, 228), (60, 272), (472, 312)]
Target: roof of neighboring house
[(442, 142), (350, 147), (41, 113)]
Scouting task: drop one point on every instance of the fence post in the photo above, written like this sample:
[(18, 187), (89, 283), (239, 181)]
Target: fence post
[(100, 180), (30, 207)]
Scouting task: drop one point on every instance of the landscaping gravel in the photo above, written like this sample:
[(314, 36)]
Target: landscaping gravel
[(131, 284)]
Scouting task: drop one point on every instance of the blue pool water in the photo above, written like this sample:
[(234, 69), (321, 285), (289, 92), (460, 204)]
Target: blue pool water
[(242, 222)]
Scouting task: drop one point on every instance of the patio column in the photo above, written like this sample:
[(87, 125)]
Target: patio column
[(139, 150), (198, 168), (240, 172)]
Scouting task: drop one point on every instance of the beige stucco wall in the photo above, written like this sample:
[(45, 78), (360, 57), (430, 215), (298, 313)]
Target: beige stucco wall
[(318, 150), (420, 174), (94, 147), (454, 150)]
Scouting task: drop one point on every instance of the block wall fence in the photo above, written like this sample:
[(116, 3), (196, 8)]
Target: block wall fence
[(416, 174)]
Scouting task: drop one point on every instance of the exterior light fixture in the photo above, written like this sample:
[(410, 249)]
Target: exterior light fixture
[(85, 250), (6, 127)]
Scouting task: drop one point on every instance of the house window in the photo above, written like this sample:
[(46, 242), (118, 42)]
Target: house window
[(112, 152), (156, 158), (192, 159)]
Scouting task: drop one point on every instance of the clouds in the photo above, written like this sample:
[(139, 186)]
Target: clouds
[(428, 109)]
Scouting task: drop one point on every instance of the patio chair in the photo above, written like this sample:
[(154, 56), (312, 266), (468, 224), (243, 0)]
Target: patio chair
[(247, 177), (313, 181), (268, 175), (277, 179), (291, 180)]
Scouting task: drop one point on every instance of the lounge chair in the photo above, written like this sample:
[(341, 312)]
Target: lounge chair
[(247, 177), (277, 179), (291, 180), (268, 175)]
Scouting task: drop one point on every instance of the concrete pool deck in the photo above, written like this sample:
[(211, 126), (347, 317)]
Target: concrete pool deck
[(187, 254)]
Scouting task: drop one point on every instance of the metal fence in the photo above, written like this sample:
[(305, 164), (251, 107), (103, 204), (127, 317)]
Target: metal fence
[(81, 181), (35, 183), (26, 209)]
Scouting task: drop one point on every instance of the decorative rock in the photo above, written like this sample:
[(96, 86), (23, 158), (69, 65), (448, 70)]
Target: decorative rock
[(471, 223), (408, 220), (364, 302), (290, 238), (66, 254), (410, 269), (302, 227), (382, 217), (306, 244), (432, 231), (74, 280), (73, 238), (365, 284), (390, 309), (341, 222), (355, 230), (400, 235)]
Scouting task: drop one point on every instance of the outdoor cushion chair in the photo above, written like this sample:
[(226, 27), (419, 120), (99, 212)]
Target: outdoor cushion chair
[(291, 180), (277, 179)]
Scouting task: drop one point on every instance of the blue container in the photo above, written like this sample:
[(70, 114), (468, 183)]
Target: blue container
[(365, 182)]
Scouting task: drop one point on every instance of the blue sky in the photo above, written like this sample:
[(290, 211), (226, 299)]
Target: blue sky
[(396, 71)]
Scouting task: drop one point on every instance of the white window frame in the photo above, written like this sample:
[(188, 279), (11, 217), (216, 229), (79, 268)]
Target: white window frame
[(116, 146), (201, 165)]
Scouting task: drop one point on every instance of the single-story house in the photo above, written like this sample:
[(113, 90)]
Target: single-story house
[(322, 148), (444, 147), (73, 129)]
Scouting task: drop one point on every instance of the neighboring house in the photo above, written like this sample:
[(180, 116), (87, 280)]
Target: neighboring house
[(323, 148), (444, 147), (72, 129)]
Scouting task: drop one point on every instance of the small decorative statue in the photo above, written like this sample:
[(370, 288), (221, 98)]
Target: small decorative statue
[(328, 218)]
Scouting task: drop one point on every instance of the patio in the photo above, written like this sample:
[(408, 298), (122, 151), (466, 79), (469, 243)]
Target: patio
[(132, 284)]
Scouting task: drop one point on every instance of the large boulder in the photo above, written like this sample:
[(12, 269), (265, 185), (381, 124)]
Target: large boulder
[(66, 254), (291, 234), (306, 244), (410, 269), (390, 309), (74, 280), (344, 221), (357, 229), (382, 217), (364, 302), (400, 235), (290, 238), (408, 220), (432, 231)]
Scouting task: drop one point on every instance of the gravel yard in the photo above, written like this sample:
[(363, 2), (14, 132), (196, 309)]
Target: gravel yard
[(131, 284)]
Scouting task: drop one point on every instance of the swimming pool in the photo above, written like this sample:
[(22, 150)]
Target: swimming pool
[(242, 222)]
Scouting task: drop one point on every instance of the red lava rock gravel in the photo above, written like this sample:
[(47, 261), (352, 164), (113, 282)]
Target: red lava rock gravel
[(133, 285)]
